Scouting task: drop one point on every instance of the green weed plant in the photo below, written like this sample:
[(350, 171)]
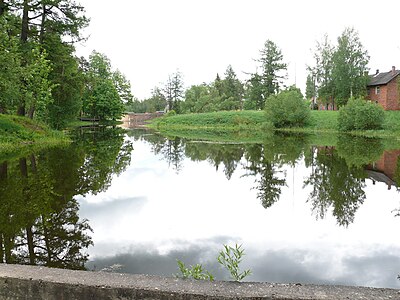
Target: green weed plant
[(193, 272), (230, 258)]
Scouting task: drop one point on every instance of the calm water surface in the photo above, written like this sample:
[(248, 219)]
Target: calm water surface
[(136, 202)]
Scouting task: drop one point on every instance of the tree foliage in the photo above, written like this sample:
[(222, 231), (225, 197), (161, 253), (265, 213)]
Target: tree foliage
[(101, 97), (269, 82), (349, 72), (41, 77), (340, 72)]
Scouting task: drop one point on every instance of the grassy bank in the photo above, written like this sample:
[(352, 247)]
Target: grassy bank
[(253, 123), (19, 135)]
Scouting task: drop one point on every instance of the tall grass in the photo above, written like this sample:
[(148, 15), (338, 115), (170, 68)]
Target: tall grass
[(20, 134)]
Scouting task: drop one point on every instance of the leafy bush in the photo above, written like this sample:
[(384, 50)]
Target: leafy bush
[(287, 109), (359, 114), (170, 113)]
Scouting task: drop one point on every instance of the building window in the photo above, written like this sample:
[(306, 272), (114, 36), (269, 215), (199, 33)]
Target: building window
[(377, 90)]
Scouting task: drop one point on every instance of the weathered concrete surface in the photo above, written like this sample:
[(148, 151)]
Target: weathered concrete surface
[(29, 282)]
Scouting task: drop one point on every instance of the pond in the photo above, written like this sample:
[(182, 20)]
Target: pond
[(135, 201)]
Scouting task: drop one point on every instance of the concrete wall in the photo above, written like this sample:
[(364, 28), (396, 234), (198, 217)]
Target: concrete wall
[(137, 119), (30, 282)]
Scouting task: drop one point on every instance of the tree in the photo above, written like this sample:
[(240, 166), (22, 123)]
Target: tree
[(321, 71), (198, 99), (350, 72), (10, 64), (123, 87), (254, 93), (49, 84), (101, 97), (173, 91), (272, 67), (232, 88), (311, 91), (37, 88), (68, 80)]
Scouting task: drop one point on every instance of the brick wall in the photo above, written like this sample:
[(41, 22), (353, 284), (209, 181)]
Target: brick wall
[(392, 102), (388, 97), (378, 98)]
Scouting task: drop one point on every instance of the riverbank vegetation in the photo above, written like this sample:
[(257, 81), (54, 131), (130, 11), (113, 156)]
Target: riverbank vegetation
[(43, 80), (24, 134), (252, 124)]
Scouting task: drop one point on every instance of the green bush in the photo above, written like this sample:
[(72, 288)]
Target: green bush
[(359, 114), (287, 109), (170, 113)]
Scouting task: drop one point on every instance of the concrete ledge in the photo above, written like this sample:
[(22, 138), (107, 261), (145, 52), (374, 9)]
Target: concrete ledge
[(30, 282)]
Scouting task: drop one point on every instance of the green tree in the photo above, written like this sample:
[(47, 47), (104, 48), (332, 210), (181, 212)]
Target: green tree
[(201, 98), (350, 72), (232, 88), (173, 91), (68, 80), (101, 97), (10, 64), (321, 71), (311, 91), (254, 96), (272, 68), (123, 86)]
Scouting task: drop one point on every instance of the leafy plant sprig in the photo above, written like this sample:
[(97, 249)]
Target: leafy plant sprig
[(195, 272), (230, 258)]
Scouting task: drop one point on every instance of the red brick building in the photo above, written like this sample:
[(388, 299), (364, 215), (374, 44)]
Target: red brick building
[(383, 88)]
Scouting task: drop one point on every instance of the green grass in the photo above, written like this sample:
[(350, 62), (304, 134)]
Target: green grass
[(215, 120), (20, 134), (256, 122)]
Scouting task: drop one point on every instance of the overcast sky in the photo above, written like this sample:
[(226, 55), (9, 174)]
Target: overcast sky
[(149, 39)]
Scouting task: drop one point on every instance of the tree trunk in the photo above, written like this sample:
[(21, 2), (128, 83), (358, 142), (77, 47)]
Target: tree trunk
[(7, 249), (31, 112), (2, 7), (23, 167), (25, 24), (31, 246), (1, 249), (41, 35), (21, 109), (47, 242), (3, 170), (33, 163), (24, 38)]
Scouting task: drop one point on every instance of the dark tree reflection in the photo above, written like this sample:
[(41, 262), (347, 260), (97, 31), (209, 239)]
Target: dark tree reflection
[(40, 221), (335, 184), (227, 155), (268, 183)]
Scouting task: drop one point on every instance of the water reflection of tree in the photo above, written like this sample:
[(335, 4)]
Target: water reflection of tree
[(229, 155), (335, 184), (40, 217), (170, 148), (267, 182), (359, 151)]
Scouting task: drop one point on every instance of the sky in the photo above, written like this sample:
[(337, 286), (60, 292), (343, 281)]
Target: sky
[(147, 40)]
